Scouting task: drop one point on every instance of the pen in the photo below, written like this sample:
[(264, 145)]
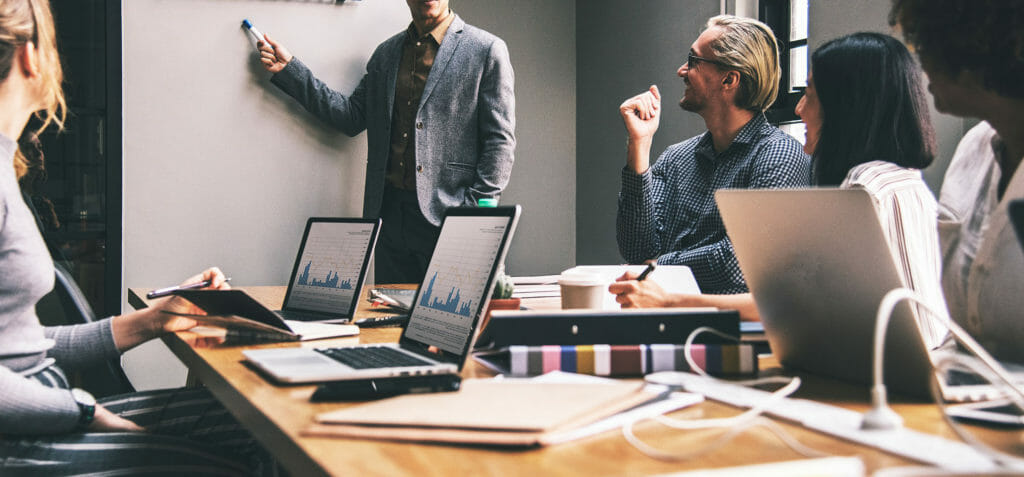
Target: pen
[(382, 321), (167, 291), (384, 298), (253, 32), (647, 271)]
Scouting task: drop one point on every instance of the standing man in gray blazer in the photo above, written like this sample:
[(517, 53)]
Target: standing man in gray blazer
[(438, 106)]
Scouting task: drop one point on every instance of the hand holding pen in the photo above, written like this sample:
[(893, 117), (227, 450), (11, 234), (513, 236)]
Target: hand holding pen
[(647, 271), (165, 315), (162, 292), (635, 291)]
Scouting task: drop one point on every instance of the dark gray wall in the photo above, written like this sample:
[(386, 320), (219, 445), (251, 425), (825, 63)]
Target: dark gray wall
[(541, 36), (617, 59), (833, 18), (620, 52)]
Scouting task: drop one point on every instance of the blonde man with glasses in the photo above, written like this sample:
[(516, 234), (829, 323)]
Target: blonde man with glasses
[(667, 210)]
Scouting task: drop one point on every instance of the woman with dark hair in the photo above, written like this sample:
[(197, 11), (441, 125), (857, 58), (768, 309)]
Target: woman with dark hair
[(45, 427), (867, 127)]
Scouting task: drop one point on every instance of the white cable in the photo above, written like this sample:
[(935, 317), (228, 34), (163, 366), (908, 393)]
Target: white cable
[(1016, 394), (1002, 459), (736, 424), (885, 309), (725, 438), (696, 369)]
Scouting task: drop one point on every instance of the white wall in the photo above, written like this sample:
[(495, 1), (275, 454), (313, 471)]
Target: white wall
[(220, 168)]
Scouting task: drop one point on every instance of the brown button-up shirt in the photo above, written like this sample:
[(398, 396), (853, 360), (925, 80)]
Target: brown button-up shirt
[(417, 59)]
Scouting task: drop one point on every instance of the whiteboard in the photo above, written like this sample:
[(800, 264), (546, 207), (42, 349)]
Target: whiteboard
[(220, 167)]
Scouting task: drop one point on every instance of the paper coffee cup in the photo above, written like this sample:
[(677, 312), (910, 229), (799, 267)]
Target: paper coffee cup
[(583, 290)]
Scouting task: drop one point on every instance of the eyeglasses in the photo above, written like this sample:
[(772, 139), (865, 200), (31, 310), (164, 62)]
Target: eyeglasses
[(693, 59)]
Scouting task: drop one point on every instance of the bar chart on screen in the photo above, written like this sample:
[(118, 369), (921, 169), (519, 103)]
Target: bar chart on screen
[(457, 280), (330, 265)]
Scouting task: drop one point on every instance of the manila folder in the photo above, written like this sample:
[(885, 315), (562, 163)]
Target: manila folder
[(503, 412)]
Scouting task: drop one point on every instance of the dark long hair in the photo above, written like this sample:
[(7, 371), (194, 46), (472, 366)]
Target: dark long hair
[(873, 106)]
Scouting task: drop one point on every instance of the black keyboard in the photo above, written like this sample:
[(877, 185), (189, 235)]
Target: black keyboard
[(368, 357)]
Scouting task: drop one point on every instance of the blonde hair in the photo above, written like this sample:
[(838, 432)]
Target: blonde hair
[(21, 22), (749, 47)]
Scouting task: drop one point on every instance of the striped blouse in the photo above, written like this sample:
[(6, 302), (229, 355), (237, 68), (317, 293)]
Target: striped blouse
[(908, 211)]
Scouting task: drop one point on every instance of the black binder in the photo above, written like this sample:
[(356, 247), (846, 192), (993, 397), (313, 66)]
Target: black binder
[(613, 327)]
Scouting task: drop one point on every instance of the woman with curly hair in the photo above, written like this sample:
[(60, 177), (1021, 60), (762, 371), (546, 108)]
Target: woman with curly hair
[(973, 53)]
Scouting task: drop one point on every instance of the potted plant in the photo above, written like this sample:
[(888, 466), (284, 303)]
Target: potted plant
[(501, 299)]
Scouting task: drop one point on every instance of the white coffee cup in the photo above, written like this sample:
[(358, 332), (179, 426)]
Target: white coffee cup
[(583, 290)]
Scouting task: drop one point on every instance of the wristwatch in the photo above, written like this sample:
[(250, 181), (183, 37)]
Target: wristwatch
[(86, 406)]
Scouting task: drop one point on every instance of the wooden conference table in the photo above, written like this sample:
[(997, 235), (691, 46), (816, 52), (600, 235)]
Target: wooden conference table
[(277, 415)]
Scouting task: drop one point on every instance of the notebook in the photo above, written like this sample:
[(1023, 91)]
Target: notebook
[(818, 265), (442, 324), (330, 268), (245, 318), (505, 412)]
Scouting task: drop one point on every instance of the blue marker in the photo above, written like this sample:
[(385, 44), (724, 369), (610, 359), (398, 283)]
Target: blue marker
[(253, 32)]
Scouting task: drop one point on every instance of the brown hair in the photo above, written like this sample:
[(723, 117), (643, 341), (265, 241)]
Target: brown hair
[(30, 21)]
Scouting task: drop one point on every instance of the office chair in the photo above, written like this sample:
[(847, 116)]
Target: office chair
[(67, 305)]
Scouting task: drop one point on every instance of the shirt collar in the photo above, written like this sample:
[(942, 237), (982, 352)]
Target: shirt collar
[(751, 131), (748, 134), (438, 32)]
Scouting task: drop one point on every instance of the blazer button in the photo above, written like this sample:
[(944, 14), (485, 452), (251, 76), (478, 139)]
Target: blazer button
[(419, 168), (419, 125)]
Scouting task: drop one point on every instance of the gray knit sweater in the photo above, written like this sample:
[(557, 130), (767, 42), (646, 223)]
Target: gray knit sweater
[(26, 275)]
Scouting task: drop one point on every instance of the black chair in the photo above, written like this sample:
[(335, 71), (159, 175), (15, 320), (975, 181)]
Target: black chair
[(67, 305)]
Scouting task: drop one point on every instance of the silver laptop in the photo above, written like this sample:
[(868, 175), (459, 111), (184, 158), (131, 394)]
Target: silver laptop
[(818, 265), (445, 315), (330, 268)]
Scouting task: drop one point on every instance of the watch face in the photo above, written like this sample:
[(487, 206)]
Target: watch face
[(82, 397)]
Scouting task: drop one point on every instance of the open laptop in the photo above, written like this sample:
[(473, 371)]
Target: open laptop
[(444, 318), (330, 268), (818, 265)]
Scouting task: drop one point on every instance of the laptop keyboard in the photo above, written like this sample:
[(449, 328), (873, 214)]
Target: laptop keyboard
[(368, 357)]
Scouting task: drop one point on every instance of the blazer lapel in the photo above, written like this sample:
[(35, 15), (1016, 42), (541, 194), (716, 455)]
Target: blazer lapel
[(444, 56), (391, 77)]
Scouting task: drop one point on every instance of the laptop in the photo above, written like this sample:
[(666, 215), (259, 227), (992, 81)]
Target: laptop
[(330, 268), (445, 313), (818, 265)]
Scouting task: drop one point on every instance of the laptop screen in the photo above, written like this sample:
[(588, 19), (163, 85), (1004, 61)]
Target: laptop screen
[(331, 265), (460, 278)]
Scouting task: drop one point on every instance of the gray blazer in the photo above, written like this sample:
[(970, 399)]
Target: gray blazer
[(464, 126)]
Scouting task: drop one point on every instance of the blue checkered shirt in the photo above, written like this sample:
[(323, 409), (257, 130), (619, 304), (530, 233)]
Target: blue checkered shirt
[(669, 211)]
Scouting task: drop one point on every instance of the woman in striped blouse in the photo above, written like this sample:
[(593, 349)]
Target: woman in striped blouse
[(868, 127)]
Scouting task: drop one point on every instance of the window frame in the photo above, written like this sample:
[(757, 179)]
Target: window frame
[(777, 14)]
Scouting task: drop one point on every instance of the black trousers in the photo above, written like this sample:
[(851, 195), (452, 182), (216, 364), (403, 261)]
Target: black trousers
[(407, 239)]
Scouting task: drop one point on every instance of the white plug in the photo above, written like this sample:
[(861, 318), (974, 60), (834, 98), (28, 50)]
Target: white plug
[(881, 416)]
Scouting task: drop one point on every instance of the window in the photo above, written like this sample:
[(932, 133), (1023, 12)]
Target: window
[(79, 199), (789, 20)]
